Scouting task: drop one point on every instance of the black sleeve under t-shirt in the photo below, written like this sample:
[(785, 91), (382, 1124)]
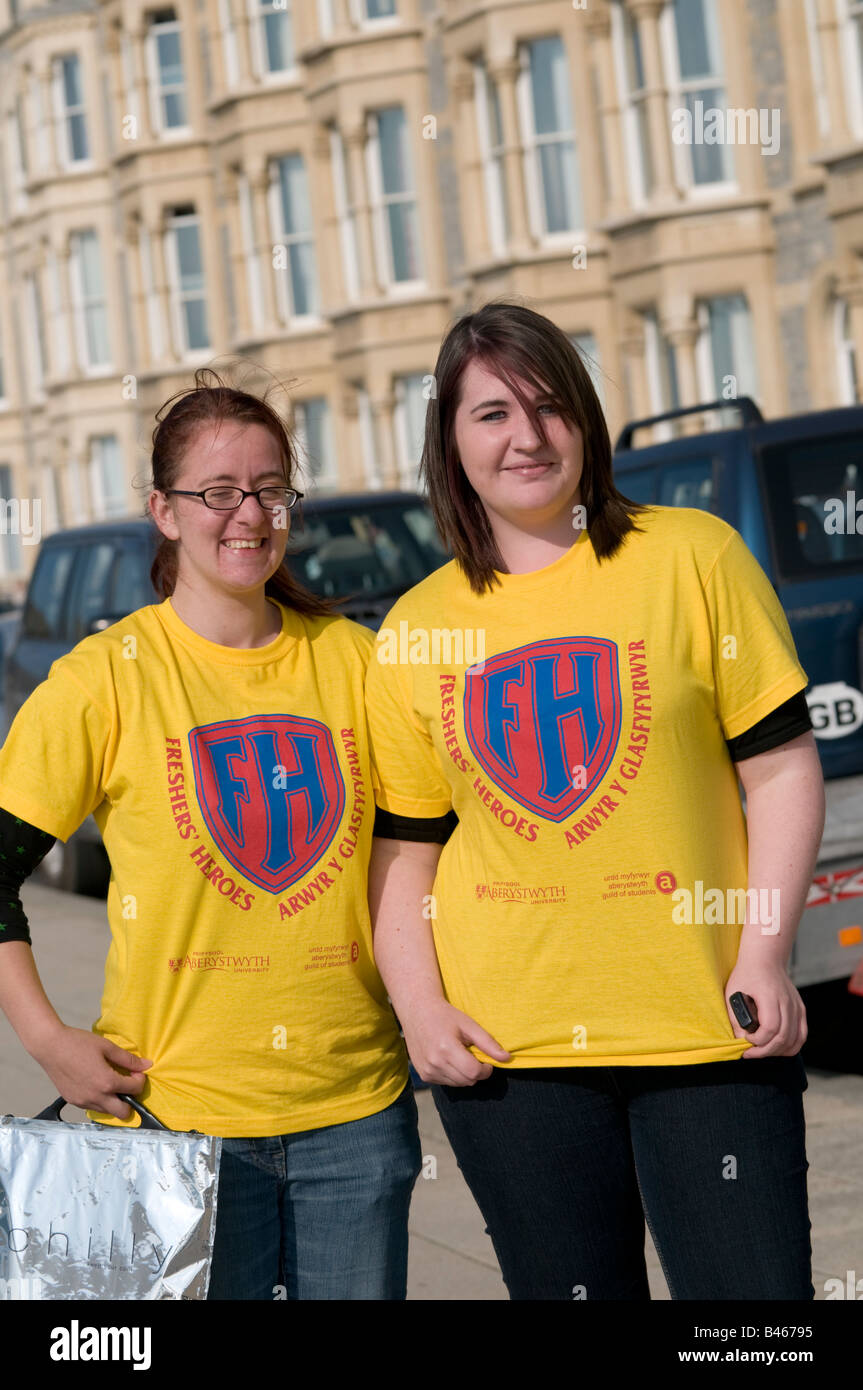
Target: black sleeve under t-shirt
[(788, 721), (22, 849)]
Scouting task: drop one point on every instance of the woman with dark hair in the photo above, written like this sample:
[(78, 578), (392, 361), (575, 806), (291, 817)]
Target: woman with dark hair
[(219, 740), (564, 896)]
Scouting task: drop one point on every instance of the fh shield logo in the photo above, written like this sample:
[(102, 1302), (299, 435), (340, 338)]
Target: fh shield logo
[(533, 714), (271, 792)]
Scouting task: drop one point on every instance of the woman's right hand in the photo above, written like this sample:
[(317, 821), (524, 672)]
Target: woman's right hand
[(85, 1069), (437, 1037)]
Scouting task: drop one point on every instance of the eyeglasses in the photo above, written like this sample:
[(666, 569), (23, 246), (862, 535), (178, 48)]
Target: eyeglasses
[(227, 499)]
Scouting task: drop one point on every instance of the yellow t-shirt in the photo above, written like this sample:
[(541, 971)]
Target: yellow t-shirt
[(584, 755), (238, 834)]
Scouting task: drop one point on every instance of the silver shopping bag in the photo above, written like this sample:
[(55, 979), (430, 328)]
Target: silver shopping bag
[(92, 1211)]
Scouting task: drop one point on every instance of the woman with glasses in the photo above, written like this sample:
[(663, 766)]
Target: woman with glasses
[(566, 961), (219, 740)]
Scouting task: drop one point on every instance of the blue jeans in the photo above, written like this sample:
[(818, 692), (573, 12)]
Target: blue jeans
[(565, 1163), (322, 1214)]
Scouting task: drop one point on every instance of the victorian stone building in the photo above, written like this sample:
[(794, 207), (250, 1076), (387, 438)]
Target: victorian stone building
[(317, 187)]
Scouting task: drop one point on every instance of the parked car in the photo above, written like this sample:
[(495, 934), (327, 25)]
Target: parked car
[(362, 550), (780, 483)]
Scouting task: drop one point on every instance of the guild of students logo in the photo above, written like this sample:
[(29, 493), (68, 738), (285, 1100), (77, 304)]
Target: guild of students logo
[(533, 714), (271, 793)]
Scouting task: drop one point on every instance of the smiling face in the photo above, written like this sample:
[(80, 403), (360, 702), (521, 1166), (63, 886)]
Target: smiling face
[(235, 551), (517, 477)]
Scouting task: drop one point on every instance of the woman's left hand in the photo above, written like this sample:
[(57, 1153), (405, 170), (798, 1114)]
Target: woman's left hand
[(782, 1027)]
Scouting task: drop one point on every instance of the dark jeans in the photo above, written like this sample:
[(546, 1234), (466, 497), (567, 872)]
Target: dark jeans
[(566, 1162), (319, 1214)]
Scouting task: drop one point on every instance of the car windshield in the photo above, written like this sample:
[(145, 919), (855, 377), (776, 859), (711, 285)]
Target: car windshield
[(366, 549), (815, 490)]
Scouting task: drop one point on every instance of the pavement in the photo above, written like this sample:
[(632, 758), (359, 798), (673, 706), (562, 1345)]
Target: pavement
[(451, 1257)]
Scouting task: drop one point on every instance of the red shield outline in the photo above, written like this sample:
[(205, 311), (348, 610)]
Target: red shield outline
[(277, 835), (519, 729)]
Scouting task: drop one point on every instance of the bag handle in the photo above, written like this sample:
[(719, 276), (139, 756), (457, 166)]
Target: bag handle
[(148, 1119)]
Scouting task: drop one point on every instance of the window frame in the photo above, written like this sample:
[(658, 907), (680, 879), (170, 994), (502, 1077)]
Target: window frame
[(156, 91), (678, 87), (178, 297), (328, 476), (81, 304), (257, 13), (284, 285), (379, 202), (531, 141), (64, 114)]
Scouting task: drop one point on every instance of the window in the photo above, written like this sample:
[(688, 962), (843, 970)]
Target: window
[(638, 485), (694, 62), (45, 598), (186, 275), (346, 212), (272, 36), (688, 484), (88, 300), (74, 146), (491, 144), (314, 436), (802, 479), (165, 60), (88, 600), (553, 180), (291, 217), (589, 353), (10, 540), (410, 423), (393, 199), (661, 370), (325, 18), (725, 353), (632, 83), (371, 550), (846, 353), (851, 41), (107, 477), (229, 43), (367, 11)]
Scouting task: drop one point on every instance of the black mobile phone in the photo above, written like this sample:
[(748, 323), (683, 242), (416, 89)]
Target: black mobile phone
[(744, 1011)]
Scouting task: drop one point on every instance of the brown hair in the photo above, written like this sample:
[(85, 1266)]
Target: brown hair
[(512, 340), (204, 404)]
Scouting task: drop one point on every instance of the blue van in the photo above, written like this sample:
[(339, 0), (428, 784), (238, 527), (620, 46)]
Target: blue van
[(793, 488)]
